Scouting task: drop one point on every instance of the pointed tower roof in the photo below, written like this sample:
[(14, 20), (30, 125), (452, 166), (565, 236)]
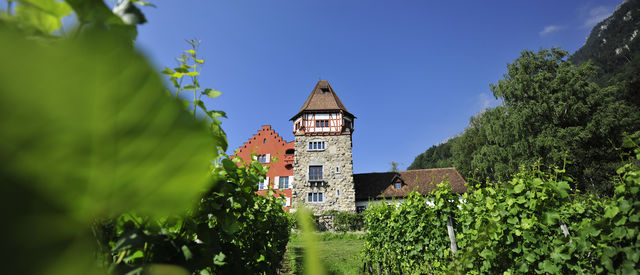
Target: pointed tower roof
[(322, 98)]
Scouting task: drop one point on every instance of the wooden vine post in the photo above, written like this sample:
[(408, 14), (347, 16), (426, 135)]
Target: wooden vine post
[(452, 235), (565, 230)]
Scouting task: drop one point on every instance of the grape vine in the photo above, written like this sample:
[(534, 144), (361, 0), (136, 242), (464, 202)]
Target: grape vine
[(533, 223)]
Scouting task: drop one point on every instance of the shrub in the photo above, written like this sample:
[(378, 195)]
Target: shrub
[(344, 221)]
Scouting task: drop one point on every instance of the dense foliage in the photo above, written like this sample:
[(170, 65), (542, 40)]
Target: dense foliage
[(231, 230), (533, 223), (403, 239), (437, 156), (553, 113), (93, 150), (344, 221)]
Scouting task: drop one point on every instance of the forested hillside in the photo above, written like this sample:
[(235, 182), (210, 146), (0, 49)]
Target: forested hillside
[(437, 156), (558, 111)]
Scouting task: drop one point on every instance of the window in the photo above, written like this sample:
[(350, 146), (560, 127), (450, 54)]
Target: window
[(316, 145), (264, 158), (263, 184), (264, 140), (338, 193), (360, 209), (315, 173), (314, 197), (337, 169), (284, 183), (322, 123), (347, 124), (397, 185)]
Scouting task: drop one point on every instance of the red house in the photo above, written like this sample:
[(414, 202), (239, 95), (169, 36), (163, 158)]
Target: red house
[(271, 149)]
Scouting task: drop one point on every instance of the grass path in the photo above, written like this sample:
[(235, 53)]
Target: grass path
[(338, 253)]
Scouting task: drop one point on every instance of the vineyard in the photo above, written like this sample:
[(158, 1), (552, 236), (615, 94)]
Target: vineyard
[(533, 223)]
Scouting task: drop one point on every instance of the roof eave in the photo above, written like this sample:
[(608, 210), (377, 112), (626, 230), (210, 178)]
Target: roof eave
[(323, 110)]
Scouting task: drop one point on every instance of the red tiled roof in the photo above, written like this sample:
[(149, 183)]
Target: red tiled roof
[(322, 98), (371, 186)]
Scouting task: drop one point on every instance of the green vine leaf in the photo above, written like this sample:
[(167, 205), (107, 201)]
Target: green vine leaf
[(211, 93), (93, 143), (611, 211), (94, 11), (190, 88), (219, 259), (44, 15)]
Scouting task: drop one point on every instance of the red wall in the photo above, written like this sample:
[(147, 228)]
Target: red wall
[(267, 141)]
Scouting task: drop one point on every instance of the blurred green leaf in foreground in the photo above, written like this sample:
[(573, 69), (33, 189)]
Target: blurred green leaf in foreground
[(86, 132)]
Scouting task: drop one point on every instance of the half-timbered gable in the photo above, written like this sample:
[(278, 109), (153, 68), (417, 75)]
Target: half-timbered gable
[(323, 113)]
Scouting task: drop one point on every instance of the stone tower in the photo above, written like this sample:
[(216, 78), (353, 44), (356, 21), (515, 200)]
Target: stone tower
[(323, 164)]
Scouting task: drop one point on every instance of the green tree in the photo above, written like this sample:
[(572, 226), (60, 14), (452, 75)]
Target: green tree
[(553, 113)]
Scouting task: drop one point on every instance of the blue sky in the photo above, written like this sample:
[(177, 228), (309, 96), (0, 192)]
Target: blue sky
[(413, 72)]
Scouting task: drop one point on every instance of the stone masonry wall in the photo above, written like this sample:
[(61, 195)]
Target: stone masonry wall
[(337, 154)]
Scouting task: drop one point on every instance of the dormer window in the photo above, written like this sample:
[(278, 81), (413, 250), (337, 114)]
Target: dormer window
[(397, 185)]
